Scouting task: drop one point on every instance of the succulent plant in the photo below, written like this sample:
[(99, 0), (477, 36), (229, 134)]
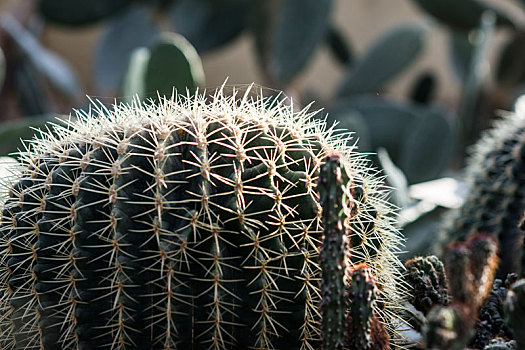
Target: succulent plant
[(191, 223), (426, 277), (491, 319), (365, 331), (496, 181), (333, 257)]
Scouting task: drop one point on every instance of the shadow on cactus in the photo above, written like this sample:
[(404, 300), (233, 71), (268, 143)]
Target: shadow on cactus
[(193, 223)]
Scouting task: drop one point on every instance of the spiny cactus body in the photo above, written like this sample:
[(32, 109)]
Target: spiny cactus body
[(426, 277), (192, 224), (365, 331), (331, 186), (491, 320), (496, 180)]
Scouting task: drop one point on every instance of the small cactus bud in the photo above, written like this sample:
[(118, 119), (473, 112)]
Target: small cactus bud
[(427, 281)]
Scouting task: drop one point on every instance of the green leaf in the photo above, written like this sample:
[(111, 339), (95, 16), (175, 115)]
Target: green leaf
[(395, 178), (124, 33), (12, 132), (463, 14), (300, 28), (418, 139), (427, 146), (348, 119), (79, 12), (386, 59), (31, 97), (461, 52), (133, 84), (54, 68), (384, 120), (173, 65), (209, 24)]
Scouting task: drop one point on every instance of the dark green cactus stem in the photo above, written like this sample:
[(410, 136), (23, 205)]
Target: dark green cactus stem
[(426, 277), (446, 327), (470, 269), (364, 330), (190, 224), (496, 181), (491, 319), (332, 180), (515, 311)]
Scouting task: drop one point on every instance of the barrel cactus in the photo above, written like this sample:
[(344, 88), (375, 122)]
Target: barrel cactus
[(496, 180), (193, 223)]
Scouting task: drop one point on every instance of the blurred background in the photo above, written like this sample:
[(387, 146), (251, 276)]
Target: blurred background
[(416, 80)]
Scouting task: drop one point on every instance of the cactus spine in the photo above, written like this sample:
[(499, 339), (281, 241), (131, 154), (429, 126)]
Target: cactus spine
[(187, 224), (496, 180)]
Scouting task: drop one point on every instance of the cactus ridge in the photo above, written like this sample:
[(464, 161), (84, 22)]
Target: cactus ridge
[(193, 223), (495, 176)]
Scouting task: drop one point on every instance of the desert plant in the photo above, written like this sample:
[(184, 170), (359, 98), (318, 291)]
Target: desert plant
[(191, 223), (495, 180)]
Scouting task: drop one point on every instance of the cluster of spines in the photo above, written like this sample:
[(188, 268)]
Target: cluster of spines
[(176, 220), (496, 180)]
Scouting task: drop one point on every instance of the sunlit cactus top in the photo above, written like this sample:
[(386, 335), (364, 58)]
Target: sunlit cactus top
[(191, 223)]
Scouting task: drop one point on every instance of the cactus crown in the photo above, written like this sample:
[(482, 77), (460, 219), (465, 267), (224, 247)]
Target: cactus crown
[(193, 223)]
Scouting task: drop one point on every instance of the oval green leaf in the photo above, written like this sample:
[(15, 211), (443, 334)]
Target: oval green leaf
[(209, 24), (81, 12), (386, 59), (174, 65), (123, 34), (300, 28)]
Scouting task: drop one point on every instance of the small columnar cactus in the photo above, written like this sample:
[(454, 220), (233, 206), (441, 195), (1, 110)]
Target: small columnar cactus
[(191, 224), (365, 331), (331, 186), (469, 270), (491, 319), (496, 199)]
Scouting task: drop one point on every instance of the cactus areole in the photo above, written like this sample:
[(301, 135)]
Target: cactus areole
[(193, 223)]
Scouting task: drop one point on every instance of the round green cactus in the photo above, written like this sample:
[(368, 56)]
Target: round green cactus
[(190, 224)]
